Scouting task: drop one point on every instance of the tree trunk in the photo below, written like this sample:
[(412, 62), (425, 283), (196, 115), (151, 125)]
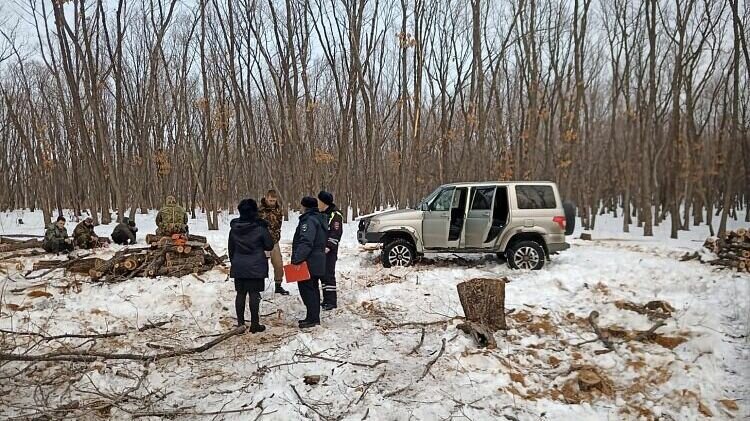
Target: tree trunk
[(483, 301)]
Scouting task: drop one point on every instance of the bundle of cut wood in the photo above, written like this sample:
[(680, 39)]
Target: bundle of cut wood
[(733, 252)]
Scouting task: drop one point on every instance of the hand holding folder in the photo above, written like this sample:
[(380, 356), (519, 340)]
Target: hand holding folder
[(296, 273)]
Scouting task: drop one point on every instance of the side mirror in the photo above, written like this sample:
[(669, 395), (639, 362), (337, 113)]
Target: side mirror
[(425, 207)]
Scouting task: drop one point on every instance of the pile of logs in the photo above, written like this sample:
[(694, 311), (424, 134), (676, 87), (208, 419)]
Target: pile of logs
[(164, 256), (733, 252), (10, 244)]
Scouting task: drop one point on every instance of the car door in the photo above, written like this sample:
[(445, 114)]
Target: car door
[(479, 217), (436, 220)]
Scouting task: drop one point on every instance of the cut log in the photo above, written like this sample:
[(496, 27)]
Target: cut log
[(483, 301), (588, 380), (586, 236), (7, 245)]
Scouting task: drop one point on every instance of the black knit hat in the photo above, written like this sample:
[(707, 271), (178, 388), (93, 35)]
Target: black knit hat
[(309, 202), (325, 197), (248, 208)]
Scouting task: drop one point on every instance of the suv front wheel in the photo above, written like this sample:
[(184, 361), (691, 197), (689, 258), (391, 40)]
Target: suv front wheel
[(398, 252), (526, 255)]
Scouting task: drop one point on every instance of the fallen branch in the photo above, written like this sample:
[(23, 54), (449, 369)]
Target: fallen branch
[(421, 341), (431, 363), (593, 318), (302, 401), (89, 356), (84, 335), (334, 360), (368, 385), (649, 333)]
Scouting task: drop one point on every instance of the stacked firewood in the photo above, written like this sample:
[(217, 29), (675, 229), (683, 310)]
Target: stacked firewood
[(176, 256), (733, 252), (165, 256)]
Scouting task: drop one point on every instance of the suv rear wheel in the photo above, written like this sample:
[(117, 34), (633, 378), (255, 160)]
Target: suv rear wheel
[(526, 255), (398, 252)]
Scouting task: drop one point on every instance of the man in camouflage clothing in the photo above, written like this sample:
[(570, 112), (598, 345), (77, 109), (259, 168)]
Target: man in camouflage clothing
[(270, 211), (84, 235), (171, 219), (56, 238)]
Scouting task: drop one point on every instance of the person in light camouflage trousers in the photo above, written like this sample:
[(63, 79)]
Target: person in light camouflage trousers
[(84, 235), (270, 211), (56, 238), (171, 219)]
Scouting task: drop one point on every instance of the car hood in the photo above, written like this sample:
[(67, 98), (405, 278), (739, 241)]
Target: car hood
[(397, 214)]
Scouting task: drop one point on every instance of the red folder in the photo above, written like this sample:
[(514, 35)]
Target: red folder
[(296, 273)]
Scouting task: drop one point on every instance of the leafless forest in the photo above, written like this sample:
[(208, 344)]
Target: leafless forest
[(639, 108)]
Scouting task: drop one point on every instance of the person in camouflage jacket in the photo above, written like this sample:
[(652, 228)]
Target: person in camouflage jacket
[(270, 211), (171, 219), (84, 235), (56, 238)]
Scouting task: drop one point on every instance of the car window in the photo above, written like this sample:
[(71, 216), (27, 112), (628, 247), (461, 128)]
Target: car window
[(535, 197), (482, 198), (443, 201)]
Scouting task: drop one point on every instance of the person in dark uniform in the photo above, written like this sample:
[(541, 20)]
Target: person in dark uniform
[(335, 229), (309, 246), (124, 232), (249, 240)]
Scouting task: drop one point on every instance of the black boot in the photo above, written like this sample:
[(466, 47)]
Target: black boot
[(280, 290), (306, 324), (256, 328)]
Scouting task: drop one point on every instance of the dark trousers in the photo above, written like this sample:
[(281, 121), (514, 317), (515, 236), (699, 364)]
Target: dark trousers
[(329, 280), (245, 287), (310, 293)]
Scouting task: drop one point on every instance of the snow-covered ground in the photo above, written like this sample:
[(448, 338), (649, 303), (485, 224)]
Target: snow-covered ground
[(374, 351)]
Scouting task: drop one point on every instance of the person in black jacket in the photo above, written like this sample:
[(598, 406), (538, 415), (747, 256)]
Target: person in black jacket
[(249, 240), (124, 232), (309, 246), (335, 229)]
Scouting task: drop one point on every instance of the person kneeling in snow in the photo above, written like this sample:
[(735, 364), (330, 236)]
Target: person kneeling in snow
[(56, 238), (124, 232), (84, 234), (249, 240)]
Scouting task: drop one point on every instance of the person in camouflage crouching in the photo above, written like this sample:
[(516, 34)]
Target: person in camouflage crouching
[(84, 235), (56, 238), (171, 219)]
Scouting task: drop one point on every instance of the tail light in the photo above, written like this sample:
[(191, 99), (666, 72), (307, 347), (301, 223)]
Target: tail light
[(560, 220)]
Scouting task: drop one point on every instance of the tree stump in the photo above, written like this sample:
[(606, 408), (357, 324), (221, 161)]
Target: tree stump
[(588, 380), (483, 301)]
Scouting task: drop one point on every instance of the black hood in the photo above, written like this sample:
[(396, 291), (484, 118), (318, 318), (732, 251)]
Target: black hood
[(243, 226)]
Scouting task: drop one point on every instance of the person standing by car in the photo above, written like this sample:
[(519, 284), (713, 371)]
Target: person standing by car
[(309, 246), (335, 229), (270, 211), (249, 240)]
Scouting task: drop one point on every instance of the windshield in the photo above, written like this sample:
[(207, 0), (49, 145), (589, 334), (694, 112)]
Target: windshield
[(428, 198)]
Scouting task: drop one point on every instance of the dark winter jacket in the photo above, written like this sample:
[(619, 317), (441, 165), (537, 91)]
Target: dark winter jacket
[(124, 233), (249, 239), (274, 217), (335, 227), (309, 242)]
